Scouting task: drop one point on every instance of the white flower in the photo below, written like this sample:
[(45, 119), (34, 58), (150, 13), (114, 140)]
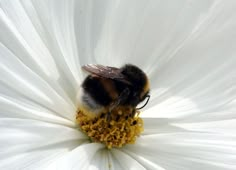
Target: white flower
[(186, 47)]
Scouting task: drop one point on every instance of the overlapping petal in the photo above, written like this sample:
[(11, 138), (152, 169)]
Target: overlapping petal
[(32, 144), (185, 150)]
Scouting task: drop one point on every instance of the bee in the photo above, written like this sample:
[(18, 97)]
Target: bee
[(106, 88)]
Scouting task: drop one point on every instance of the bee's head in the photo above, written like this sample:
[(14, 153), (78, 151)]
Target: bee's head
[(139, 83)]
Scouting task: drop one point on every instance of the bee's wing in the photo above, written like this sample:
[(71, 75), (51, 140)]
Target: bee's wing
[(106, 72)]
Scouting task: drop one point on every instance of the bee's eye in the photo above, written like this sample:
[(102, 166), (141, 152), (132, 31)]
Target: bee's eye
[(146, 97)]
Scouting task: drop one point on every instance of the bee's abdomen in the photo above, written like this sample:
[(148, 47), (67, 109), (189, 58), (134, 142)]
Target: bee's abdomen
[(94, 87)]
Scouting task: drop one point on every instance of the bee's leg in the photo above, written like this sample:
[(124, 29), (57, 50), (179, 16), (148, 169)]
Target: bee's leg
[(108, 116), (124, 94), (133, 112)]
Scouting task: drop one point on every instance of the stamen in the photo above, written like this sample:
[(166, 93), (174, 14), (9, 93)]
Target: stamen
[(123, 126)]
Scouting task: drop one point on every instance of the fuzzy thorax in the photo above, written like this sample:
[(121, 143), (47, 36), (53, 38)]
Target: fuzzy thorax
[(122, 127)]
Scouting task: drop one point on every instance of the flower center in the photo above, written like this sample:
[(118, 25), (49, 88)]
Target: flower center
[(116, 129)]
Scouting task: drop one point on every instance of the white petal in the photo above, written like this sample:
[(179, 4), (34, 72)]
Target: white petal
[(145, 35), (195, 78), (209, 145), (221, 126), (20, 36), (28, 144), (95, 157), (79, 158), (126, 161), (54, 22), (160, 125), (43, 40), (185, 150), (101, 161), (19, 84), (106, 159)]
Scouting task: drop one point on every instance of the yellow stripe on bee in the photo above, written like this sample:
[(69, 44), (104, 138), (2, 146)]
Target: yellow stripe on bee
[(146, 88)]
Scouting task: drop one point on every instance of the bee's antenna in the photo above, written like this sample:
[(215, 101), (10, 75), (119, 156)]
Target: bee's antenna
[(148, 96)]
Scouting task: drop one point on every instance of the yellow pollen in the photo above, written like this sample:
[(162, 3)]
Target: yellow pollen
[(120, 128)]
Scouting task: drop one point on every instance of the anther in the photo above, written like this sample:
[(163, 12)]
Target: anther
[(123, 127)]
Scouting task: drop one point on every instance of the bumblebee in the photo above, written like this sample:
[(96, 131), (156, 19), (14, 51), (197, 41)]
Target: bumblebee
[(106, 88)]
